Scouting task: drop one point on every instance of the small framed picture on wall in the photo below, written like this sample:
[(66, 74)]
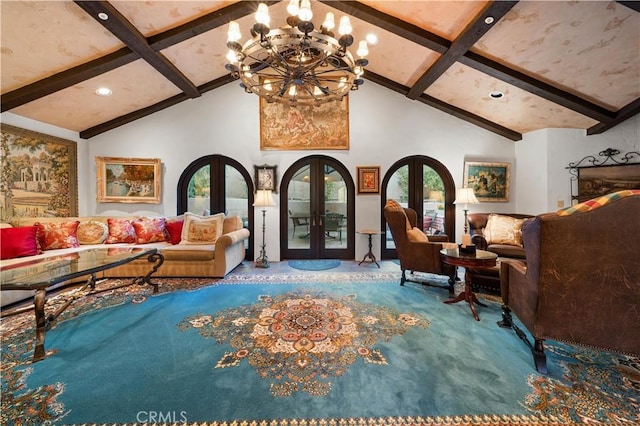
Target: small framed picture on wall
[(266, 177), (368, 179)]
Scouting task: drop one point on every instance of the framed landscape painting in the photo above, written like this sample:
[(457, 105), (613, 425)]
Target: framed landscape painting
[(284, 127), (490, 181), (129, 180), (38, 175), (601, 180)]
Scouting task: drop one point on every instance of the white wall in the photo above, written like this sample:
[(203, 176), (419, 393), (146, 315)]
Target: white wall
[(384, 128)]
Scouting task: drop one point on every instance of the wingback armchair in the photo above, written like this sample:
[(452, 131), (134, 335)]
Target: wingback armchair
[(581, 280), (415, 251)]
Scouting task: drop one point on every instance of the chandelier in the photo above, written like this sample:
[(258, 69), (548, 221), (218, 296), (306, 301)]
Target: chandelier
[(296, 64)]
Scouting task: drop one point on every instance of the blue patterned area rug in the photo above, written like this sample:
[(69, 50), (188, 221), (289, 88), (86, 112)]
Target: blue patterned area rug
[(314, 264), (304, 350)]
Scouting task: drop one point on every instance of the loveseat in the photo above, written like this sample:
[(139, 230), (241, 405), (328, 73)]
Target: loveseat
[(581, 279), (192, 245), (501, 234)]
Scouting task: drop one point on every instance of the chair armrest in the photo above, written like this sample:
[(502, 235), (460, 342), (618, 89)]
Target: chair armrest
[(231, 238), (440, 238), (508, 267)]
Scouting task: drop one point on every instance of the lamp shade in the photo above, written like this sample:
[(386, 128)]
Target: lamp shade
[(465, 196), (264, 198)]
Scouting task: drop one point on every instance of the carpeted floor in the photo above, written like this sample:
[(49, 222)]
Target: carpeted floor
[(282, 346)]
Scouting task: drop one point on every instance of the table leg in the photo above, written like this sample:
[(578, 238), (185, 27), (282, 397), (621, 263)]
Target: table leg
[(158, 258), (468, 296), (370, 254), (39, 352)]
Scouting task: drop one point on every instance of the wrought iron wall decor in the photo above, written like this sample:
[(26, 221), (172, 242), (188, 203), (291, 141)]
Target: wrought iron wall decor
[(592, 177)]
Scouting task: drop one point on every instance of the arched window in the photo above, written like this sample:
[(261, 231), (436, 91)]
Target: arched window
[(425, 185), (216, 183)]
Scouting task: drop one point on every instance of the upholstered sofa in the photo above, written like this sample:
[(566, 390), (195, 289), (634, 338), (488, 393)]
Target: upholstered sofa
[(499, 233), (185, 254), (581, 279)]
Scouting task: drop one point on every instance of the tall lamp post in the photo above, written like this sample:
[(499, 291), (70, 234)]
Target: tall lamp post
[(466, 196), (264, 199)]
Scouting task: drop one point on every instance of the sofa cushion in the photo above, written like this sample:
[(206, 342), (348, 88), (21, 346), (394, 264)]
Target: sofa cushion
[(149, 230), (18, 242), (120, 231), (174, 230), (92, 232), (53, 236), (503, 230), (200, 229)]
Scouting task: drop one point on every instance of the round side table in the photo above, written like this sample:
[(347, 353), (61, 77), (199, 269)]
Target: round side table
[(370, 255)]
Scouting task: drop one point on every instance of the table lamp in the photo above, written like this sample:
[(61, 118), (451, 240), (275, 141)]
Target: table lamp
[(263, 199), (466, 196)]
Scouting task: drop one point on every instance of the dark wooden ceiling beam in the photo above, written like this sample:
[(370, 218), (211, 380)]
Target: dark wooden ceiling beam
[(634, 5), (144, 112), (477, 28), (537, 87), (67, 78), (445, 107), (119, 26), (391, 24), (625, 113)]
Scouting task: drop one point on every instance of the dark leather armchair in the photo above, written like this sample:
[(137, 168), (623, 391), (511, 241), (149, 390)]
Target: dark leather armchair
[(415, 255), (581, 280)]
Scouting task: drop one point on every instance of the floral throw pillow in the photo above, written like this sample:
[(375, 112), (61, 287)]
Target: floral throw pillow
[(149, 230), (92, 232), (120, 231), (52, 236), (201, 229)]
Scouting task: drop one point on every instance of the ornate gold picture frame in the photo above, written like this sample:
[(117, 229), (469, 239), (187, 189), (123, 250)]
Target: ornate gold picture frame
[(284, 127), (38, 175), (368, 179), (129, 180)]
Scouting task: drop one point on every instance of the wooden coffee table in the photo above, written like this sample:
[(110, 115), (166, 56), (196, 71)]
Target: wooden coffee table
[(481, 259), (41, 274)]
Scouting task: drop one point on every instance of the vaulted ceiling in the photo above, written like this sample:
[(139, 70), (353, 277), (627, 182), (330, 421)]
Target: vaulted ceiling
[(566, 64)]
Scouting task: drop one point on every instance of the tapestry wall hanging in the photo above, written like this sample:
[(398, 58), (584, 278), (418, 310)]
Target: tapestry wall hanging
[(129, 180), (490, 181), (38, 175), (284, 127)]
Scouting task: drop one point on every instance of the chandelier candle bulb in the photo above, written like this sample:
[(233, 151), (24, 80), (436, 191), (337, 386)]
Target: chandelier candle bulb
[(262, 15), (345, 26), (293, 7), (362, 49), (329, 22), (305, 13)]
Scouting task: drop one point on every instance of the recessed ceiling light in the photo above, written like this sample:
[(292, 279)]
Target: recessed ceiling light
[(489, 20), (103, 16), (103, 91), (496, 94), (372, 39)]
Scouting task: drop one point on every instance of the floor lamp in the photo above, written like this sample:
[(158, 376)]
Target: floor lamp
[(264, 199), (466, 196)]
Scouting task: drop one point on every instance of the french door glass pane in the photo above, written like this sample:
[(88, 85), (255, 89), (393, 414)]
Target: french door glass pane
[(398, 189), (236, 196), (299, 209), (432, 201), (199, 191), (335, 204)]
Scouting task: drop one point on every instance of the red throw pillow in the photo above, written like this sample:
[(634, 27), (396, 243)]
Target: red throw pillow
[(53, 236), (149, 230), (174, 229), (18, 242), (120, 231)]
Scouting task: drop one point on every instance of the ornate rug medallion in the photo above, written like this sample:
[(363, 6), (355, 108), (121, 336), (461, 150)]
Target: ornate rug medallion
[(298, 340)]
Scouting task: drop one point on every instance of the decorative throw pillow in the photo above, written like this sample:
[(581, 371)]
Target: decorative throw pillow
[(417, 235), (92, 232), (503, 230), (53, 236), (393, 205), (174, 229), (149, 230), (200, 229), (18, 242), (120, 231)]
